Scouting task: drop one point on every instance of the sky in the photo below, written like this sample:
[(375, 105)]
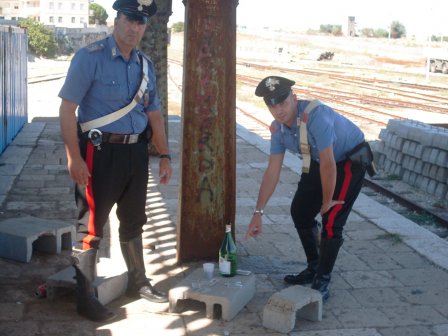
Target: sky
[(418, 17)]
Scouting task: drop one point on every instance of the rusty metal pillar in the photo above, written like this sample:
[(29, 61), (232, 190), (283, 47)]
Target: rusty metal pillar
[(207, 181)]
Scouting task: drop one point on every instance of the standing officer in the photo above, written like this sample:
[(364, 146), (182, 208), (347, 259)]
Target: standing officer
[(112, 86), (329, 186)]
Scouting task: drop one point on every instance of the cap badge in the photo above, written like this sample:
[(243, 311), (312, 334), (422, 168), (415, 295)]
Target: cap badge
[(271, 82), (143, 3)]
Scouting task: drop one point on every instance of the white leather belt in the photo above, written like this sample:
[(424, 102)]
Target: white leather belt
[(111, 117)]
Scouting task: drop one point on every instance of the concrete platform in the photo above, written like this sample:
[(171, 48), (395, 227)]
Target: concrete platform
[(19, 236), (280, 312), (232, 294), (110, 283)]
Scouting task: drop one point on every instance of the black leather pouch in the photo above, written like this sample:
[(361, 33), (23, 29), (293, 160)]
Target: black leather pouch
[(362, 154)]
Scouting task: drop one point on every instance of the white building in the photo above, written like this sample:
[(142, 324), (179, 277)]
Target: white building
[(58, 13)]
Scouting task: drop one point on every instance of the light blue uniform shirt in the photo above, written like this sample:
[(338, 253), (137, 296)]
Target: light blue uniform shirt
[(325, 127), (101, 81)]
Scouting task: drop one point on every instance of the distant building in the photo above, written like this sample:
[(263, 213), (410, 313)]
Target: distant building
[(58, 13), (351, 27)]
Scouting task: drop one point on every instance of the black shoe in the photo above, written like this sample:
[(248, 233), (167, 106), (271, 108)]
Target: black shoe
[(153, 295), (303, 278)]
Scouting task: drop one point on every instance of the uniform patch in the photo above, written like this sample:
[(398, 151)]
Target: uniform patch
[(95, 47)]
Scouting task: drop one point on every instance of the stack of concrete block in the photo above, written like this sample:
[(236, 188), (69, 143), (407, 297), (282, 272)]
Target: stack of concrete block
[(417, 153)]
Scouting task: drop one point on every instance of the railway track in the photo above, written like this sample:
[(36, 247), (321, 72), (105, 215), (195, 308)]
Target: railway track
[(261, 126), (375, 116), (374, 102)]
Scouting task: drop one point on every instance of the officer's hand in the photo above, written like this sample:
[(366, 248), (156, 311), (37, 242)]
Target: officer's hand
[(77, 168), (165, 171), (326, 207), (255, 227)]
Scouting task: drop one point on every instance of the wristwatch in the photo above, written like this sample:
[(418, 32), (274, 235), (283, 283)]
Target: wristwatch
[(165, 156), (259, 211)]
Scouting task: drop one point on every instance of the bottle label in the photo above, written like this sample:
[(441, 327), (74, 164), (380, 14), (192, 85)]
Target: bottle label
[(224, 266)]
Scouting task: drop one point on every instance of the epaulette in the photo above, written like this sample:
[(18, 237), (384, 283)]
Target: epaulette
[(96, 46)]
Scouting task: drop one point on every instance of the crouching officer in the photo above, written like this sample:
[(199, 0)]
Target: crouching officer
[(112, 87), (330, 181)]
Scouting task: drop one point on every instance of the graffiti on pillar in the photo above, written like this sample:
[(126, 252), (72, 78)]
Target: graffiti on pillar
[(206, 108)]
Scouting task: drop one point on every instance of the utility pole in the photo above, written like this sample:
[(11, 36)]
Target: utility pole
[(208, 159)]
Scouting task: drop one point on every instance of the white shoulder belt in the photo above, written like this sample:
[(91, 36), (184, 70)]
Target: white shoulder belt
[(107, 119), (304, 145)]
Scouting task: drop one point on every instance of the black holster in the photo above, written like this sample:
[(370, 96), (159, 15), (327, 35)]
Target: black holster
[(362, 155)]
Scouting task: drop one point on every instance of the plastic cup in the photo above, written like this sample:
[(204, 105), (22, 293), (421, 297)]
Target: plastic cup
[(208, 270)]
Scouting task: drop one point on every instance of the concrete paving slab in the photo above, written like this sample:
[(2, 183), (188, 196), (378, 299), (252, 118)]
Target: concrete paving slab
[(232, 293), (19, 236), (111, 281), (280, 312)]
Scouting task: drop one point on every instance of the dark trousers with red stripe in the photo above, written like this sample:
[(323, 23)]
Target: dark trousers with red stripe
[(308, 199), (119, 175)]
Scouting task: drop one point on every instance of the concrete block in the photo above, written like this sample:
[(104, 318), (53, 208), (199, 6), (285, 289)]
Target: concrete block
[(387, 165), (442, 158), (398, 170), (406, 145), (410, 178), (397, 143), (426, 153), (384, 135), (441, 140), (400, 127), (398, 158), (426, 171), (442, 174), (413, 178), (280, 312), (433, 171), (424, 182), (232, 294), (418, 166), (431, 187), (18, 237), (111, 281), (407, 162), (441, 190), (406, 176), (418, 181)]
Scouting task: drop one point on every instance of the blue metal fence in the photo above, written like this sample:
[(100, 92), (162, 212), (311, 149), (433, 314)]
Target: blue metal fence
[(13, 83)]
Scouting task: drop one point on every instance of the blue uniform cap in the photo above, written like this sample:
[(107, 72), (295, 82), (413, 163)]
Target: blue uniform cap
[(274, 89), (136, 10)]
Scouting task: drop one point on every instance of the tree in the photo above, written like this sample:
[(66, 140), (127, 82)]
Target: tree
[(99, 14), (177, 27), (380, 32), (397, 30), (336, 30), (331, 29), (41, 40)]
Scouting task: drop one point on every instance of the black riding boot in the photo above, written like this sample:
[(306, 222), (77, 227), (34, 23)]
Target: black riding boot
[(138, 284), (329, 249), (309, 241), (87, 304)]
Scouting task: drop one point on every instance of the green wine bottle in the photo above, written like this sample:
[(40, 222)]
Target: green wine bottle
[(227, 255)]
